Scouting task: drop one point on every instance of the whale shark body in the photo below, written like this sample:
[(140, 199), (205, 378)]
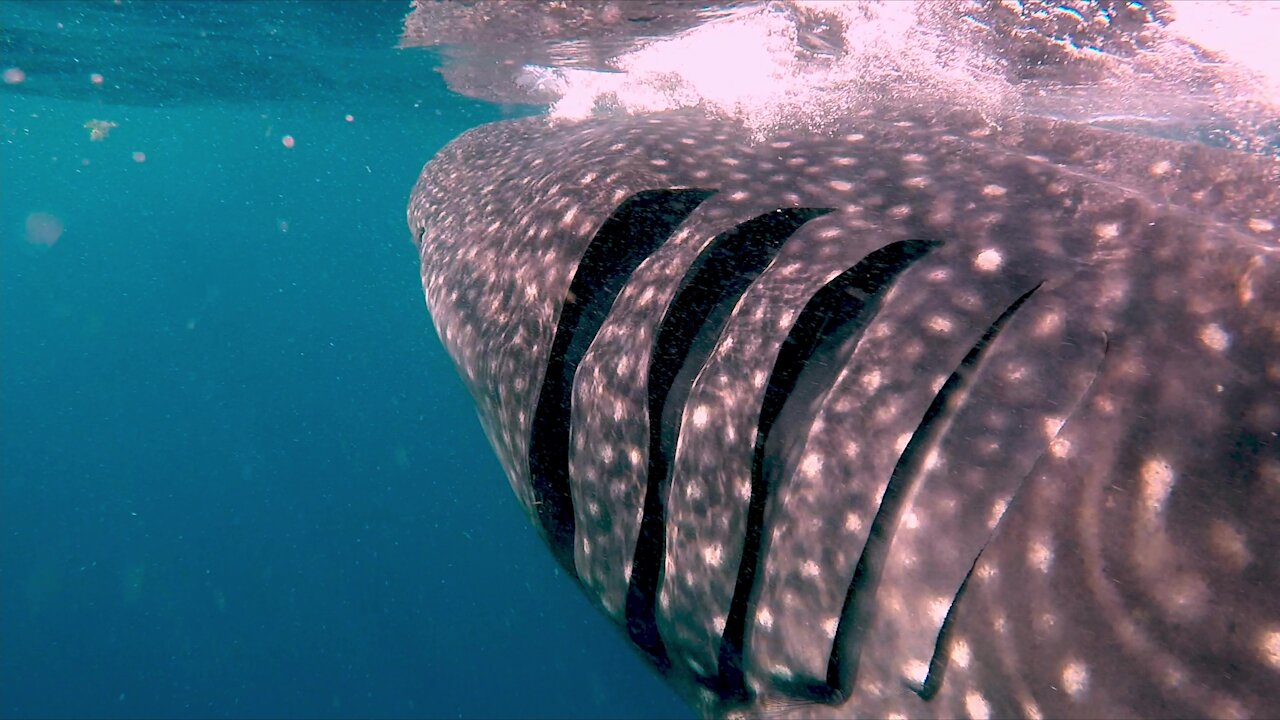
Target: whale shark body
[(915, 416)]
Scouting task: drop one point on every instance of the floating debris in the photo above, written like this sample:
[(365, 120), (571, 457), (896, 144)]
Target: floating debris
[(99, 129), (43, 228)]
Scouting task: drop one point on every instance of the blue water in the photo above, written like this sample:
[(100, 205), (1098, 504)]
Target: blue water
[(238, 474)]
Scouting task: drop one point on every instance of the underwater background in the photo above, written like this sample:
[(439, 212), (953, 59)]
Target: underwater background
[(238, 474)]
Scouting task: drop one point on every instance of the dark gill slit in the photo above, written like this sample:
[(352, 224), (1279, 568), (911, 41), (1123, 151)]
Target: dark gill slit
[(857, 615), (942, 646), (710, 289), (640, 225), (836, 314)]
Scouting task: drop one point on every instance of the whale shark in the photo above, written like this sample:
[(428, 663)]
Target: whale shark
[(917, 416)]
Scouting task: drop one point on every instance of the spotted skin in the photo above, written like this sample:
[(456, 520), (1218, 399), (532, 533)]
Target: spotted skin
[(1040, 479)]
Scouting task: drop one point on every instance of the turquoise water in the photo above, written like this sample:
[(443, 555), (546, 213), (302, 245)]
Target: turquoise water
[(238, 475)]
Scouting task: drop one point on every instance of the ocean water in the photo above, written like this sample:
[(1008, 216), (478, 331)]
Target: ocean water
[(238, 474)]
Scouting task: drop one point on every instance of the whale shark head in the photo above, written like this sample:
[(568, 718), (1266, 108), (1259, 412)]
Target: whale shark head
[(867, 405), (918, 416)]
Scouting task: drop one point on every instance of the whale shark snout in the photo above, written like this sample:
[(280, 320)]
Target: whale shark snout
[(915, 416)]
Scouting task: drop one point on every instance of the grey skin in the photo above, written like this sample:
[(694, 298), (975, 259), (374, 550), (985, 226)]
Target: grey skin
[(1020, 457)]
